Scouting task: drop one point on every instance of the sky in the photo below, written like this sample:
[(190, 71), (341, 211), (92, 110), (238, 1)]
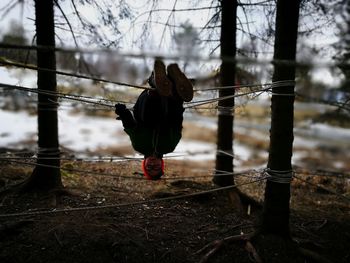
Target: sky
[(159, 41)]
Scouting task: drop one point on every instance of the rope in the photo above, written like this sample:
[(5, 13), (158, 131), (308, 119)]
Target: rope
[(278, 176), (226, 153), (220, 173), (321, 172), (73, 170), (51, 93), (283, 95), (269, 175), (208, 101), (54, 151), (142, 55), (287, 176), (69, 97), (324, 188), (299, 170), (99, 159), (284, 83), (227, 111), (77, 209), (20, 65)]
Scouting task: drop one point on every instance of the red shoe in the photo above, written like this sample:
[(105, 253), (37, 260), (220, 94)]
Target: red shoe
[(183, 85), (163, 85)]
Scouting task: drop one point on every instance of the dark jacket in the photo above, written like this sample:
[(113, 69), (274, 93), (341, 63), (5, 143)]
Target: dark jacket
[(149, 140)]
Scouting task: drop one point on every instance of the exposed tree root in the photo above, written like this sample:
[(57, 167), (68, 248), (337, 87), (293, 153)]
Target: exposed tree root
[(252, 251), (246, 239), (314, 256), (216, 245)]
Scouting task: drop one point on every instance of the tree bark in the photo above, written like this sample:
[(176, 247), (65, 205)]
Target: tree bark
[(224, 156), (46, 175), (277, 192)]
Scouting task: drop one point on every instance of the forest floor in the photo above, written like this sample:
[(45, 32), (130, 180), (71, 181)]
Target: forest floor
[(124, 218)]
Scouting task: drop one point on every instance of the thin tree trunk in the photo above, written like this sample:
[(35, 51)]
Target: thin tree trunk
[(46, 175), (224, 156), (277, 191)]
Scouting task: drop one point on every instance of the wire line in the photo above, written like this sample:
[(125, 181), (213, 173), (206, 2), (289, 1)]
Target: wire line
[(77, 209)]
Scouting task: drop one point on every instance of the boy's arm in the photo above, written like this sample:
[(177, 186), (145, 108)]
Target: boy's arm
[(125, 116)]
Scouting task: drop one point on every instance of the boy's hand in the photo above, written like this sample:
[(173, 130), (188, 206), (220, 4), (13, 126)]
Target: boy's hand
[(119, 108)]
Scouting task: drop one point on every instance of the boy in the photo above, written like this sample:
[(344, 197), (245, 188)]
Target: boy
[(156, 124)]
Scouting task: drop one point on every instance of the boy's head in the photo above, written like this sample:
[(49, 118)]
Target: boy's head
[(153, 167)]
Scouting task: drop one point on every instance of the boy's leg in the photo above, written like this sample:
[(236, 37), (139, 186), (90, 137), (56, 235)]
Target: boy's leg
[(163, 85), (183, 85), (175, 113)]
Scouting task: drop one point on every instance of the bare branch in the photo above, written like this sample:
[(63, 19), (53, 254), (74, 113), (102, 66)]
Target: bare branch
[(9, 7), (68, 23), (166, 24)]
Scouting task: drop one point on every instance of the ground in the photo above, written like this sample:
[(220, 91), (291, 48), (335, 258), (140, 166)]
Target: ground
[(124, 218)]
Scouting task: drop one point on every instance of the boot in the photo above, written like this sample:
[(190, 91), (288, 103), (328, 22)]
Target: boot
[(183, 85), (163, 85)]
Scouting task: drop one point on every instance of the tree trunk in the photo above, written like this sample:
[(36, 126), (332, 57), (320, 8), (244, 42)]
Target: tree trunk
[(224, 156), (46, 175), (277, 192)]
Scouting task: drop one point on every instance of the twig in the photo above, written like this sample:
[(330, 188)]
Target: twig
[(204, 248), (307, 242), (217, 245), (313, 256), (251, 249), (240, 237), (321, 225), (57, 239), (316, 227)]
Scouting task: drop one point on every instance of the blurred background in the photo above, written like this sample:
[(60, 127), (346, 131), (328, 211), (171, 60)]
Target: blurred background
[(117, 41)]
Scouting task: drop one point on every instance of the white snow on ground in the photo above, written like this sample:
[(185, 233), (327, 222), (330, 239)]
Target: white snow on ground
[(16, 126), (6, 76), (18, 77), (83, 133), (200, 151), (196, 151), (324, 131)]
